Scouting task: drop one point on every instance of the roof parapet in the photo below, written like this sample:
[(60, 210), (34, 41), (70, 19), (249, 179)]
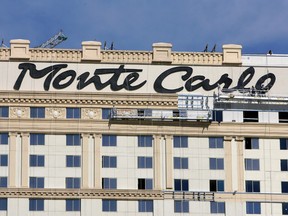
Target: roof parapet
[(232, 54)]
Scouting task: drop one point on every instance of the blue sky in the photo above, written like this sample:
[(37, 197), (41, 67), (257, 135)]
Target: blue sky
[(258, 25)]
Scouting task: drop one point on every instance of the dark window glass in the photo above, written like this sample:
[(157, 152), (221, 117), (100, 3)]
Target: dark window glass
[(253, 208), (36, 204), (37, 112), (3, 182), (109, 183), (3, 138), (180, 163), (283, 117), (283, 144), (252, 186), (251, 143), (217, 116), (145, 162), (216, 185), (252, 164), (215, 142), (284, 186), (73, 161), (284, 165), (109, 162), (37, 139), (109, 205), (4, 112), (180, 141), (37, 160), (181, 185), (181, 206), (73, 140), (217, 207), (145, 141), (145, 205), (109, 140), (73, 205), (73, 113), (250, 116), (36, 182), (73, 182), (285, 208), (216, 163), (145, 184), (3, 204), (106, 113), (3, 160)]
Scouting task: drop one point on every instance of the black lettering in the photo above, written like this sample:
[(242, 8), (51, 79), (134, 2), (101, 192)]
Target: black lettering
[(57, 81)]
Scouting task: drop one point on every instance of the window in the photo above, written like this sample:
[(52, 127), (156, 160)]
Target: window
[(253, 208), (3, 204), (252, 186), (216, 163), (109, 140), (73, 182), (36, 204), (252, 164), (106, 113), (73, 205), (284, 186), (145, 141), (181, 206), (216, 185), (3, 182), (37, 112), (73, 161), (4, 112), (3, 160), (36, 182), (250, 116), (180, 141), (180, 163), (73, 113), (145, 162), (284, 208), (109, 183), (37, 160), (3, 138), (283, 144), (283, 117), (284, 165), (217, 116), (145, 184), (215, 142), (73, 140), (217, 207), (181, 185), (37, 139), (251, 143), (109, 162), (145, 205), (109, 205)]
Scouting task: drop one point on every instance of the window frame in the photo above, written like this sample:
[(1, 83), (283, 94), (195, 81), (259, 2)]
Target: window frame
[(73, 140), (284, 187), (37, 160), (180, 141), (4, 138), (109, 205), (36, 204), (250, 116), (37, 139), (3, 182), (4, 160), (37, 112), (145, 206), (36, 182), (4, 111), (3, 204), (219, 185), (109, 161), (145, 184), (181, 206), (283, 144), (252, 186), (73, 113), (217, 207), (109, 183), (252, 164), (145, 141), (73, 205), (284, 165), (181, 162), (72, 182), (109, 140), (183, 183), (216, 163), (216, 142), (73, 160), (253, 207)]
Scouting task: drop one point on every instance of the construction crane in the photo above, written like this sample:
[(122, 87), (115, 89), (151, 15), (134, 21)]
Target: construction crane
[(54, 41)]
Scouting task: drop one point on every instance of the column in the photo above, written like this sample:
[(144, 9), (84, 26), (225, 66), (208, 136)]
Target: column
[(239, 143), (25, 160), (169, 161), (228, 163), (157, 162), (85, 161), (97, 161), (12, 160)]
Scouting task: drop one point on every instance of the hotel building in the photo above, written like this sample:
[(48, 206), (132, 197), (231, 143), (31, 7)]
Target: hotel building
[(112, 132)]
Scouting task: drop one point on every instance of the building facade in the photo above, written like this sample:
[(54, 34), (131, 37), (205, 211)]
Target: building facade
[(106, 132)]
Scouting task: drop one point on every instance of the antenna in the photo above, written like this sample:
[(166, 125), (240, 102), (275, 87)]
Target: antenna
[(54, 41), (2, 44)]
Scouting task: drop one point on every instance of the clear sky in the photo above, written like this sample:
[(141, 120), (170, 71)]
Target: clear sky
[(258, 25)]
